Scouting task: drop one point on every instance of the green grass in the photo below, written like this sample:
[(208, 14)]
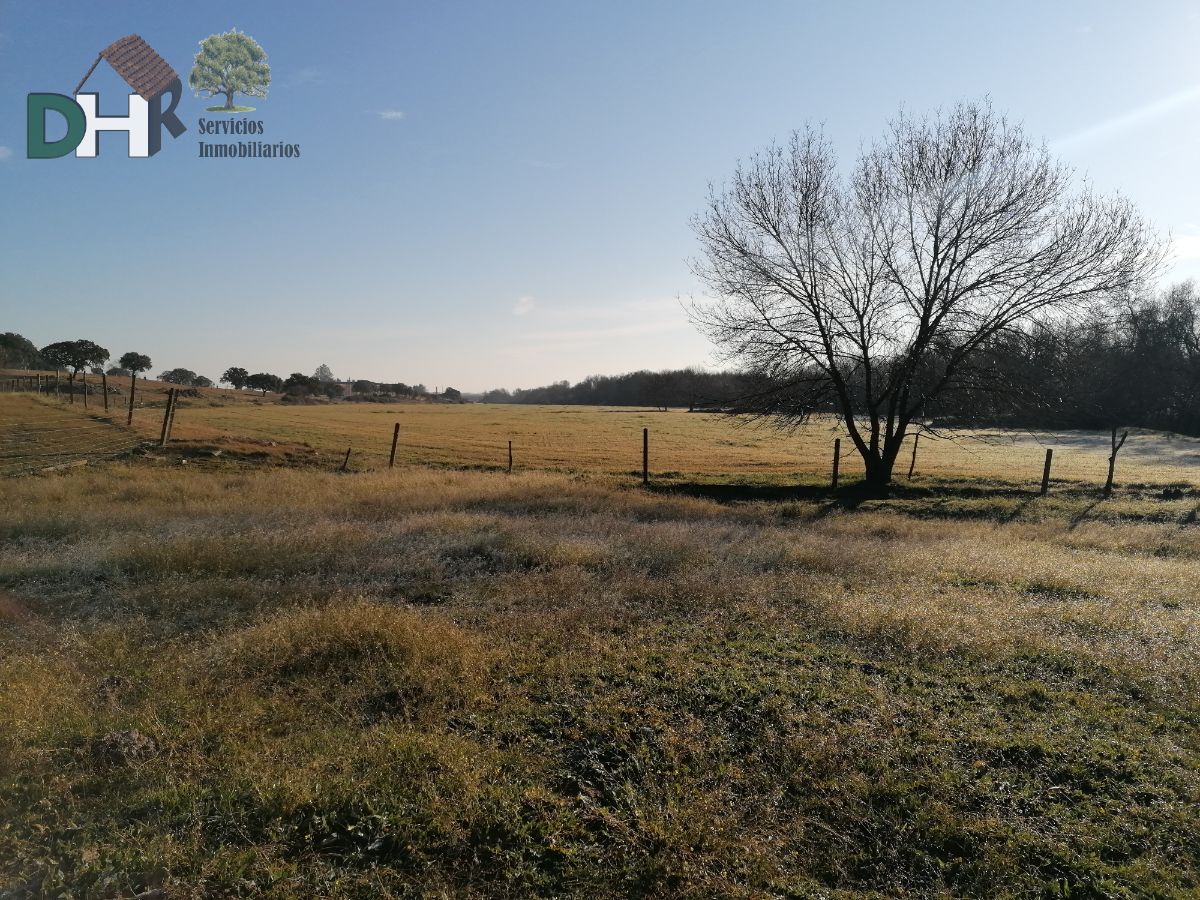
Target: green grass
[(233, 680), (226, 109)]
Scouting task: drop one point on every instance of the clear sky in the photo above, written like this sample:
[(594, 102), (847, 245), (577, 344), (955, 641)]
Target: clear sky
[(498, 194)]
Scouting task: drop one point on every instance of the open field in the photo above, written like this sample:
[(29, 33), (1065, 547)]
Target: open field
[(281, 681), (609, 440)]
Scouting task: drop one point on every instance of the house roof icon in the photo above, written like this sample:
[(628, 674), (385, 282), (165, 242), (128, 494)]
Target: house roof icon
[(136, 62)]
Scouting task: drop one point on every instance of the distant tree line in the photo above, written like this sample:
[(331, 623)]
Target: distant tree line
[(1136, 365), (84, 356), (686, 388)]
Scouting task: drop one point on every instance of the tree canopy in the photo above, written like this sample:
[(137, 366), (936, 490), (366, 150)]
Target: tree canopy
[(18, 352), (179, 376), (264, 382), (236, 376), (75, 355), (135, 362), (876, 289), (228, 64)]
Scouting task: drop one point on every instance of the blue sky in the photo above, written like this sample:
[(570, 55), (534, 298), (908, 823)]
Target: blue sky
[(498, 194)]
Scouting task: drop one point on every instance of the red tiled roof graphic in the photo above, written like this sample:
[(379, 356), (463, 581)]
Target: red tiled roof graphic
[(143, 69)]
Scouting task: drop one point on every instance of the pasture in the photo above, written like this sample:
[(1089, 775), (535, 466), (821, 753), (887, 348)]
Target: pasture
[(608, 440), (254, 674)]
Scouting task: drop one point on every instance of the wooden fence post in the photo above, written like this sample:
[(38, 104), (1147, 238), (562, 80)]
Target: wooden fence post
[(837, 458), (174, 408), (104, 383), (645, 456), (1046, 472), (132, 388), (395, 439), (346, 461), (162, 440), (510, 457), (912, 465)]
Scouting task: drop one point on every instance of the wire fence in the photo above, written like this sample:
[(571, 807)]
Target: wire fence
[(680, 444), (40, 435), (43, 434)]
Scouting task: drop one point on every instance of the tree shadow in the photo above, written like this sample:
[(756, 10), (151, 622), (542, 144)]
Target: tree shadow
[(1017, 510), (1079, 517), (849, 496)]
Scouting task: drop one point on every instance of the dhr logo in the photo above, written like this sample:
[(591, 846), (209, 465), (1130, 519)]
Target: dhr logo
[(143, 70)]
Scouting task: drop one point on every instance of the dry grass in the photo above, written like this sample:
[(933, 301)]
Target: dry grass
[(36, 435), (295, 683), (609, 440)]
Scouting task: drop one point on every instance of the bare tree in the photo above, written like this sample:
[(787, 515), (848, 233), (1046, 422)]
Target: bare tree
[(873, 291)]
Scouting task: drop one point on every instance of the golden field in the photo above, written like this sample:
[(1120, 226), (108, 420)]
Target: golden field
[(609, 440), (228, 675)]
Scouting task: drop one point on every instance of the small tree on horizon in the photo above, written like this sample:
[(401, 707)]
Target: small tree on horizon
[(75, 356), (264, 382), (236, 376), (181, 376), (228, 64)]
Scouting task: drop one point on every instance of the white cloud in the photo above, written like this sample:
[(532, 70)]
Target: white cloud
[(5, 152), (524, 306), (1156, 109), (391, 115)]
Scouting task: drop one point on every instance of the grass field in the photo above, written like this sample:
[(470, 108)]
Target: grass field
[(37, 435), (234, 678), (682, 444)]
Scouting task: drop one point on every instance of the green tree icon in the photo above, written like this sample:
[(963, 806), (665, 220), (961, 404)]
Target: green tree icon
[(230, 63)]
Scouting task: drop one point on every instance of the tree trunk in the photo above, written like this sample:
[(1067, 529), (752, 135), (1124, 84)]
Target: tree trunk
[(879, 461), (1112, 460), (229, 99)]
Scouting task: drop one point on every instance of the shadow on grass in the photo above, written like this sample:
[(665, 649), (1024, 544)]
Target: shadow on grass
[(995, 501), (850, 495)]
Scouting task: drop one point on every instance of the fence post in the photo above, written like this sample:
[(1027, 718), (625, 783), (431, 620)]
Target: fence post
[(1046, 472), (39, 389), (837, 458), (132, 387), (510, 457), (346, 461), (162, 440), (645, 456), (104, 382), (912, 465), (395, 438), (174, 407)]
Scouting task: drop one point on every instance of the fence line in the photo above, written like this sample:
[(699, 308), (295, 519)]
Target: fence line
[(674, 450)]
